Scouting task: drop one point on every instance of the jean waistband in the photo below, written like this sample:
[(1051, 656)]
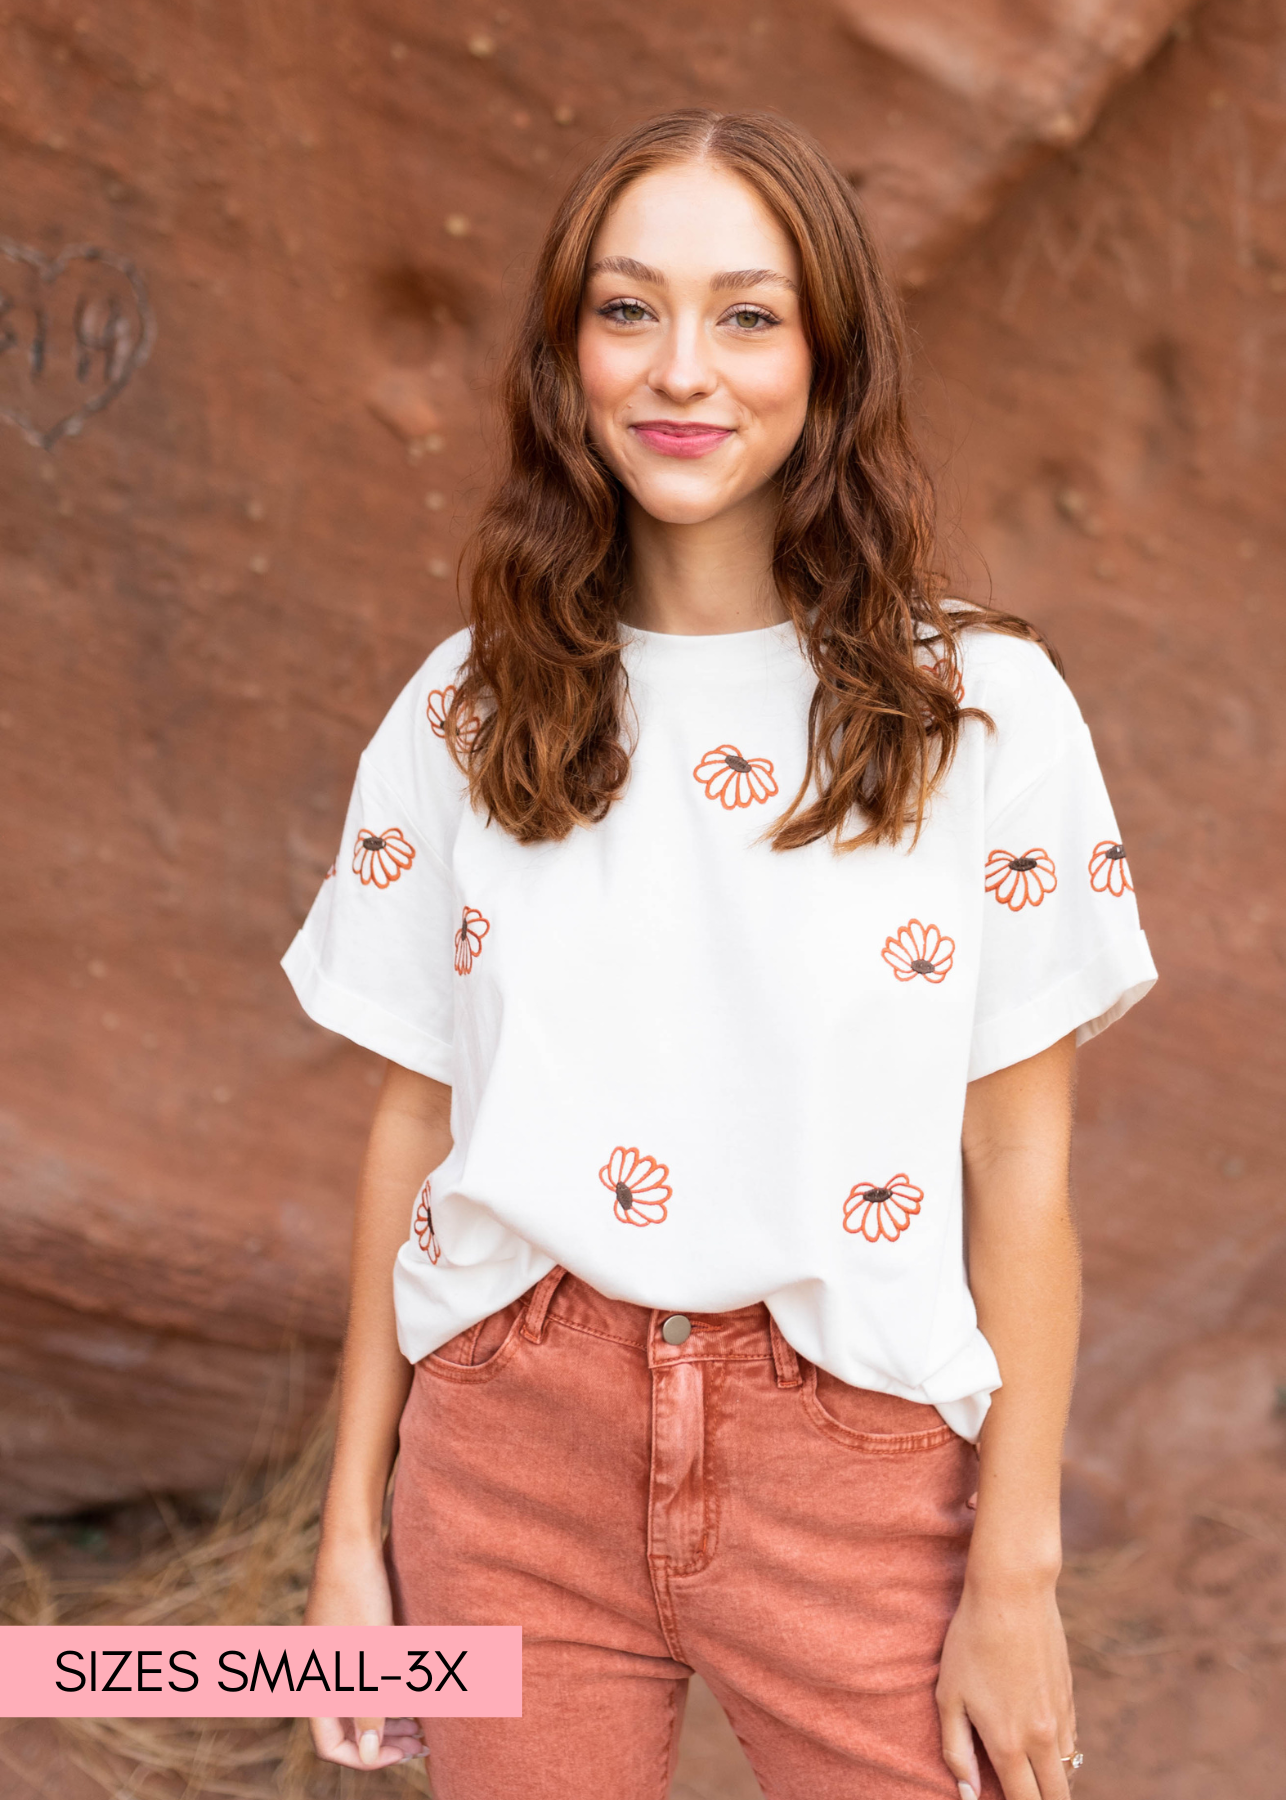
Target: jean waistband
[(745, 1334)]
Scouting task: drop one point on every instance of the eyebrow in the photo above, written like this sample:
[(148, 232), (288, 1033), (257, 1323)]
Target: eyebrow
[(727, 278), (739, 278)]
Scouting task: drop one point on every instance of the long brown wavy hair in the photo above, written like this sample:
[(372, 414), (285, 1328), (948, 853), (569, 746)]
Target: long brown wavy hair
[(538, 719)]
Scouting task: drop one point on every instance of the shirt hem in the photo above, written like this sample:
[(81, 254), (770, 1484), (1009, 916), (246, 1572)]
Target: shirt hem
[(967, 1416), (338, 1010), (1086, 1003), (960, 1390)]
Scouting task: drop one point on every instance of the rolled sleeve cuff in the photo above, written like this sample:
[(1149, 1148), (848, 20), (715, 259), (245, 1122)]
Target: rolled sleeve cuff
[(1086, 1003), (335, 1007)]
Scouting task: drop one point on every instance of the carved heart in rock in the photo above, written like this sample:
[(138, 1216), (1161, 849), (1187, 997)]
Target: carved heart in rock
[(74, 328)]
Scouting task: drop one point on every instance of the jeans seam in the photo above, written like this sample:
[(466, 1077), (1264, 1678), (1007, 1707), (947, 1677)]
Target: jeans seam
[(659, 1571), (436, 1368), (606, 1337), (667, 1748), (868, 1443), (873, 1443)]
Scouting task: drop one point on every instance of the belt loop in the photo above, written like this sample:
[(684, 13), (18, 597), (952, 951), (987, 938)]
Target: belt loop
[(784, 1359), (533, 1324)]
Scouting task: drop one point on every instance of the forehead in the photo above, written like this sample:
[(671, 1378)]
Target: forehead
[(695, 219)]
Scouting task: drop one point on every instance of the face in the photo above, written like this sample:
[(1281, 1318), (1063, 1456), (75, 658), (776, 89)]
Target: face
[(692, 355)]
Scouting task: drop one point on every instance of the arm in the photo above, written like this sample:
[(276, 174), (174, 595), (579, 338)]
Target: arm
[(411, 1134), (1004, 1663)]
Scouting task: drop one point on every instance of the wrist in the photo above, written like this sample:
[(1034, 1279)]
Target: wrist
[(1017, 1538), (354, 1510), (1013, 1573), (353, 1536)]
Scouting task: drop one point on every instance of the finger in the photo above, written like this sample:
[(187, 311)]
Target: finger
[(399, 1741), (1016, 1775), (379, 1748), (328, 1735), (369, 1734), (347, 1754), (1067, 1734), (409, 1741), (347, 1757), (1051, 1773), (1053, 1740), (958, 1748)]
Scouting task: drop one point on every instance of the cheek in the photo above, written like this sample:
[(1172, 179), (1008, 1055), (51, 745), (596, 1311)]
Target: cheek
[(606, 372), (776, 391)]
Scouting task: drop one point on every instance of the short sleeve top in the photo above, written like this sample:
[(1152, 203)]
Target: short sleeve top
[(700, 1073)]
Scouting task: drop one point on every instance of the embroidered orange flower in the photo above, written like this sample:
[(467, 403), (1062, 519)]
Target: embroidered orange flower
[(1109, 871), (330, 873), (437, 708), (1019, 881), (422, 1226), (639, 1185), (919, 950), (438, 703), (468, 939), (381, 857), (882, 1212), (736, 780)]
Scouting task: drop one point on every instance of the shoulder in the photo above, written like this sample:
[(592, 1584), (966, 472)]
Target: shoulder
[(1013, 680), (409, 742), (442, 668), (1033, 727)]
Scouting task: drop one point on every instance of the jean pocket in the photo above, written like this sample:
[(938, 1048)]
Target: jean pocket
[(479, 1353), (875, 1424)]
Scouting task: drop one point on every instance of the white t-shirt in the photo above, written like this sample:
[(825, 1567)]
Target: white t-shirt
[(697, 1072)]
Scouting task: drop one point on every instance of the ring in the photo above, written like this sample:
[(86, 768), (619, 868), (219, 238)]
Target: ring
[(1075, 1759)]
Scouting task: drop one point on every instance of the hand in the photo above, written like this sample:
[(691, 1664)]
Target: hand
[(1005, 1673), (350, 1587)]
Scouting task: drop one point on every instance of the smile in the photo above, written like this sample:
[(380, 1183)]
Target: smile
[(674, 437)]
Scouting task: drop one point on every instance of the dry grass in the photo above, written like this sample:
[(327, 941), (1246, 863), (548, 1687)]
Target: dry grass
[(250, 1567)]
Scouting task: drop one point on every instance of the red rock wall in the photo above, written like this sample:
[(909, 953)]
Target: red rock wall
[(213, 590), (1109, 357)]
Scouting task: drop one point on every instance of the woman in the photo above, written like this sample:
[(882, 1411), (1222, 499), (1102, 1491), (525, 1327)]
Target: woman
[(728, 908)]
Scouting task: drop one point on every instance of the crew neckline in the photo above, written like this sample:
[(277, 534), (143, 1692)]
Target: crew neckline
[(715, 650)]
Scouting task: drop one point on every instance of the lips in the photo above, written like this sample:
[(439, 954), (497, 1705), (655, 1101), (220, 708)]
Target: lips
[(678, 437)]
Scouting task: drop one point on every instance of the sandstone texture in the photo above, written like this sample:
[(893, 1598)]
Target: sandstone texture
[(267, 256)]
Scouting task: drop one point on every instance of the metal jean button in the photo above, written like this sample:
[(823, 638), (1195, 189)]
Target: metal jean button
[(677, 1329)]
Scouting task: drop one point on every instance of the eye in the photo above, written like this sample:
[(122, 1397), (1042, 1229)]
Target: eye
[(751, 318), (625, 312)]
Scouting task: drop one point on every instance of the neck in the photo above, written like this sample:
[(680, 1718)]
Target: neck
[(706, 578)]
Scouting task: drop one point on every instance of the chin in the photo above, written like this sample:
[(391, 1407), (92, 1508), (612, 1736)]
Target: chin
[(680, 505), (676, 514)]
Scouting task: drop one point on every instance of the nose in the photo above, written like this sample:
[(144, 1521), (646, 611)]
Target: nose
[(683, 369)]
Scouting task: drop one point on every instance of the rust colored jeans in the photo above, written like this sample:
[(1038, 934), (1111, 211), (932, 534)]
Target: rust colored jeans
[(643, 1509)]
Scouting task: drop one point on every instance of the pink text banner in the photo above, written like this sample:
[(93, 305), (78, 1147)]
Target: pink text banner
[(260, 1672)]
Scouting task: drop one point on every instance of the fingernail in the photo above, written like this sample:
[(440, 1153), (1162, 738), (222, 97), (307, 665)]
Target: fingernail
[(966, 1792), (368, 1748)]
